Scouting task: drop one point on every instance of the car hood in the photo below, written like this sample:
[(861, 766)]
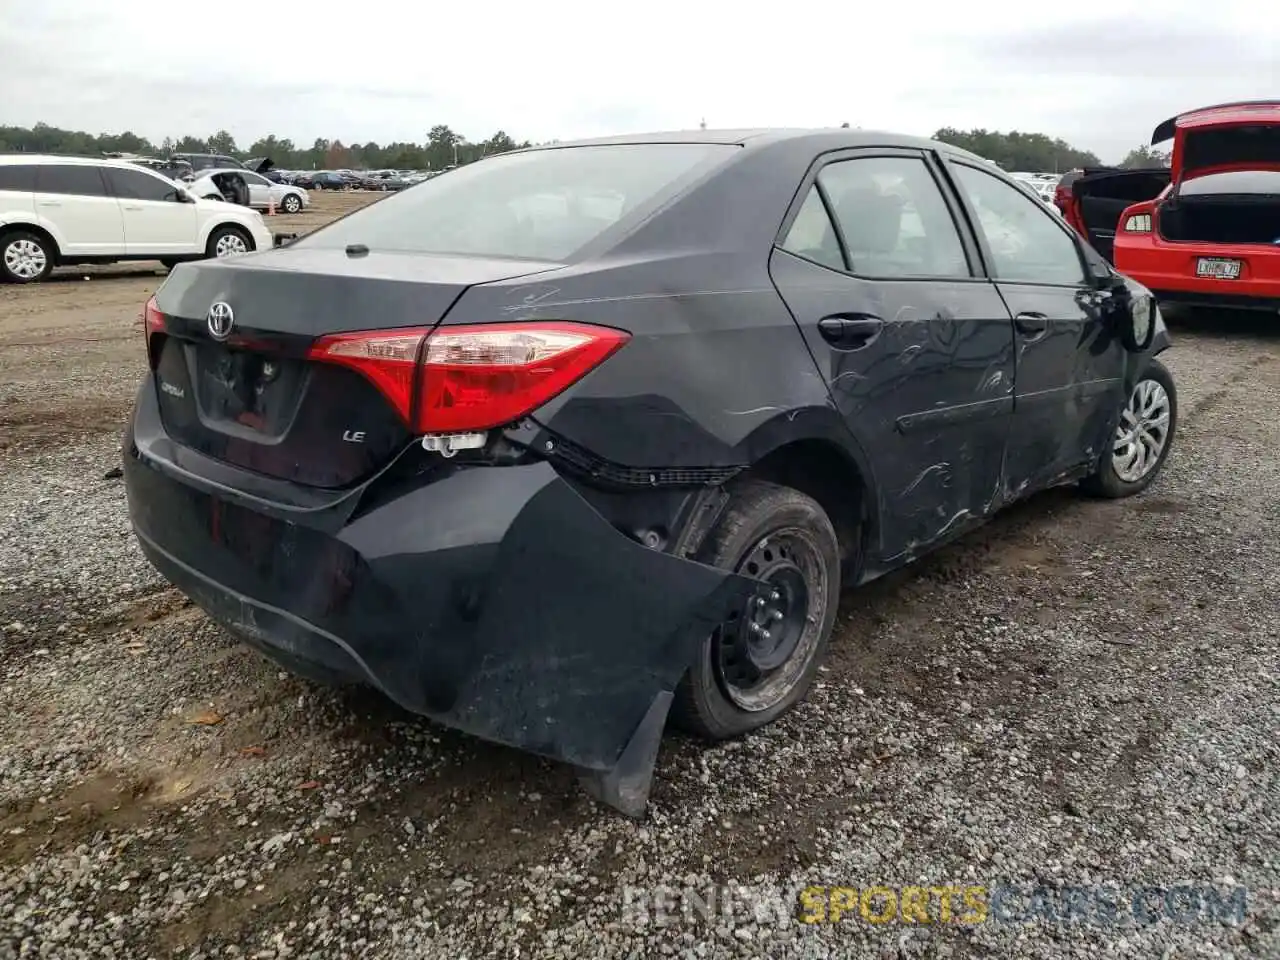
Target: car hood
[(1228, 136)]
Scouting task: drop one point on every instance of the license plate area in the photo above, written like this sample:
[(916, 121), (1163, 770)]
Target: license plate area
[(244, 391), (1217, 268)]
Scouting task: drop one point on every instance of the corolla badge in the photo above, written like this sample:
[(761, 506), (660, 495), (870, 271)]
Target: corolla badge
[(221, 319)]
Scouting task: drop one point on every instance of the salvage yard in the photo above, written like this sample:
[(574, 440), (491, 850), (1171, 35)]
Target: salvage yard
[(1083, 693)]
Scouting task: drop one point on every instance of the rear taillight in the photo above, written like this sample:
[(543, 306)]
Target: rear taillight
[(468, 378), (1138, 223), (152, 323)]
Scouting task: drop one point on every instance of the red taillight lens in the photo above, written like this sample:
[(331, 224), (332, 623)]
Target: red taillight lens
[(152, 323), (387, 358), (472, 377)]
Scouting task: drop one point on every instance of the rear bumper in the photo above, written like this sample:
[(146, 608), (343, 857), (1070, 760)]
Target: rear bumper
[(496, 601), (1169, 270)]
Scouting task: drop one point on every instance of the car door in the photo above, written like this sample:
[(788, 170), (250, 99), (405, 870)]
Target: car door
[(259, 189), (158, 219), (75, 199), (1070, 365), (883, 278)]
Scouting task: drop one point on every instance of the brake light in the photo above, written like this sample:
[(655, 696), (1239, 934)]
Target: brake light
[(152, 323), (1138, 223), (469, 378)]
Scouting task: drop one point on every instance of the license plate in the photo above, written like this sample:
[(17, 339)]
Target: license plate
[(1218, 269)]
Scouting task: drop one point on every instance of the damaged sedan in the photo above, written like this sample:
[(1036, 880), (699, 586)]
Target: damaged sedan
[(576, 439)]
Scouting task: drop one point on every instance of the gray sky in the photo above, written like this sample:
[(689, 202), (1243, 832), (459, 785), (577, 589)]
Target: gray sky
[(1100, 75)]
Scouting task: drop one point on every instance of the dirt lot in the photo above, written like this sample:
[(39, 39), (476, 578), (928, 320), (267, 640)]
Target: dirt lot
[(1082, 694)]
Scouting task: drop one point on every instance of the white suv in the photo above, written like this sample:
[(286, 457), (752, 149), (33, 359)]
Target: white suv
[(67, 210)]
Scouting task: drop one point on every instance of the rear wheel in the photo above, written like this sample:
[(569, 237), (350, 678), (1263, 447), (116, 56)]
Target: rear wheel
[(761, 662), (228, 241), (25, 257), (1143, 436)]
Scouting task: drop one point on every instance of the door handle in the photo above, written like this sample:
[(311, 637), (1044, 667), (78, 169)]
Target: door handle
[(1031, 322), (133, 208), (850, 331), (50, 203)]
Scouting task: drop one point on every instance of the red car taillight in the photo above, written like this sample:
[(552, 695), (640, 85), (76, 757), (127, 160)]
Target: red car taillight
[(152, 323), (470, 378)]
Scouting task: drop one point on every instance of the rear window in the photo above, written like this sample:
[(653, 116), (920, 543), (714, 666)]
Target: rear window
[(18, 177), (1237, 183), (1254, 143), (539, 205)]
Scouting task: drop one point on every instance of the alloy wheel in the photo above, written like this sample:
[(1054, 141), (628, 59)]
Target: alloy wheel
[(230, 244), (25, 259), (1142, 433)]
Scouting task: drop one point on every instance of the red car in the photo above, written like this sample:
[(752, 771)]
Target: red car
[(1211, 237)]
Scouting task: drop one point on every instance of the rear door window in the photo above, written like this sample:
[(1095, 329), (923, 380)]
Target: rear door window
[(134, 185), (537, 205), (18, 177), (78, 180), (894, 219)]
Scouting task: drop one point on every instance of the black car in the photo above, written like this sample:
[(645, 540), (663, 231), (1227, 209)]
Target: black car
[(573, 437)]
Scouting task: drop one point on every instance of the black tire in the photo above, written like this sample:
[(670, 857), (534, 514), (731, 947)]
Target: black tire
[(1106, 481), (791, 540), (26, 250), (291, 203), (226, 230), (169, 262)]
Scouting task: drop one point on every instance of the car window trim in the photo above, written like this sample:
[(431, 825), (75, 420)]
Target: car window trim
[(971, 215), (821, 161)]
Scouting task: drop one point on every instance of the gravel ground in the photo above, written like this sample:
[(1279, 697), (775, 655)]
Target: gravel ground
[(1080, 694)]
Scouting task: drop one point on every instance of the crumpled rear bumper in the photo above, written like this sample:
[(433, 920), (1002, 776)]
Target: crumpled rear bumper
[(496, 601)]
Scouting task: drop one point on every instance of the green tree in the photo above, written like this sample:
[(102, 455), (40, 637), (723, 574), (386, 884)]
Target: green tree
[(443, 147), (190, 145), (1144, 157), (1033, 152), (222, 142)]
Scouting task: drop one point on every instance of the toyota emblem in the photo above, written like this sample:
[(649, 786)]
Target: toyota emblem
[(221, 319)]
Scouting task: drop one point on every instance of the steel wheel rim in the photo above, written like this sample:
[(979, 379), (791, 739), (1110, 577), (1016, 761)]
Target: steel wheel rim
[(761, 652), (25, 259), (229, 245), (1143, 432), (292, 204)]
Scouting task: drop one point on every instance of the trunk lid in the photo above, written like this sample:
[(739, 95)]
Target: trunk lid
[(1234, 135), (240, 388)]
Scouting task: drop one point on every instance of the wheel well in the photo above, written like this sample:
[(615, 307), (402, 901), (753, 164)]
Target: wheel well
[(822, 471), (40, 232)]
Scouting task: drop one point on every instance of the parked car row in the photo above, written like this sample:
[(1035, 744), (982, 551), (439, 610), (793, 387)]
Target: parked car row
[(380, 180)]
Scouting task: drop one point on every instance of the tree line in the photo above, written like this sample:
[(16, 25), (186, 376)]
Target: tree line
[(1039, 153), (444, 147)]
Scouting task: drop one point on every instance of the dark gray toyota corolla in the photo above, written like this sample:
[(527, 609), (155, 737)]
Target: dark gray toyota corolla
[(569, 439)]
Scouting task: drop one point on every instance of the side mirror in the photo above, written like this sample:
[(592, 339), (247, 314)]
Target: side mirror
[(1132, 315)]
